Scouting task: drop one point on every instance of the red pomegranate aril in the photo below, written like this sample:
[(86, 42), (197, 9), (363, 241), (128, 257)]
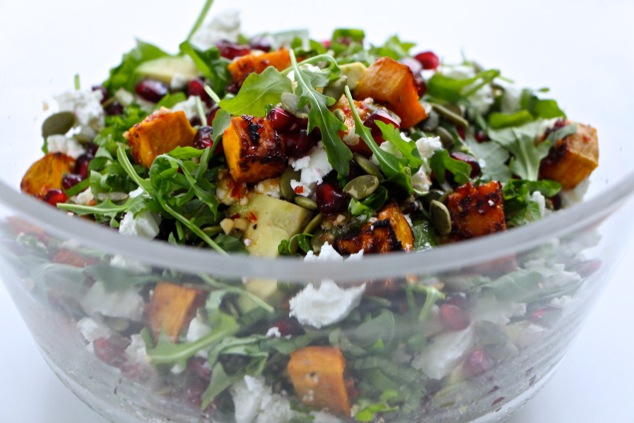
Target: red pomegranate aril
[(428, 60), (151, 90), (287, 327), (280, 119), (91, 149), (196, 87), (114, 109), (421, 86), (55, 196), (103, 91), (298, 143), (199, 366), (481, 136), (461, 132), (261, 43), (212, 115), (70, 180), (203, 138), (329, 199), (383, 116), (326, 43), (413, 64), (111, 350), (471, 161), (477, 362), (453, 317), (81, 165), (230, 50)]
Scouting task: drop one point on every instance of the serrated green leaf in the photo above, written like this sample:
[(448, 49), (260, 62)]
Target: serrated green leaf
[(257, 92)]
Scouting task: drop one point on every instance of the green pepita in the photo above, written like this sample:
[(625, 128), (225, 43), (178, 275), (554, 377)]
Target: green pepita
[(58, 124), (306, 203), (361, 186), (445, 137), (313, 224), (432, 121), (286, 190), (212, 230), (432, 195), (290, 103), (451, 116), (336, 87), (440, 217), (368, 167)]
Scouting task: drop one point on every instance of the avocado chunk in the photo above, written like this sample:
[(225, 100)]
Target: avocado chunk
[(353, 71), (165, 68)]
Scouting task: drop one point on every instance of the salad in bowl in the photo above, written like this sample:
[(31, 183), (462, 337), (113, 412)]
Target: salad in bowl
[(315, 153)]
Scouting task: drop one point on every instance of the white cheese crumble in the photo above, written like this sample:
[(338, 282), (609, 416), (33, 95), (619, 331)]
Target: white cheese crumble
[(323, 417), (144, 224), (86, 106), (224, 26), (127, 304), (124, 97), (273, 332), (313, 167), (427, 146), (256, 403), (65, 145), (189, 107), (179, 82), (444, 353), (136, 350), (91, 329), (131, 265), (270, 187), (84, 198)]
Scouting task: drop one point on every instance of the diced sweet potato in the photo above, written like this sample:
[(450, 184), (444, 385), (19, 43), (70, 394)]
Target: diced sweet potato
[(392, 83), (46, 174), (159, 133), (573, 158), (352, 140), (172, 307), (254, 151), (317, 374), (72, 258), (246, 65), (391, 232), (476, 211)]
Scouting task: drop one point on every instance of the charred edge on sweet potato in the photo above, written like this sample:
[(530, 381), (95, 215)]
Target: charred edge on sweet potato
[(253, 149), (172, 307), (257, 63), (476, 211), (46, 174)]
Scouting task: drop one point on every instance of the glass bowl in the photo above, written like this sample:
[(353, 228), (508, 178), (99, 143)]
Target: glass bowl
[(524, 292)]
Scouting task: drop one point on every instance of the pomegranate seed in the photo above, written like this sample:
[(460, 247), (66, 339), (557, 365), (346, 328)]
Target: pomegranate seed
[(288, 327), (475, 166), (461, 132), (114, 109), (453, 317), (421, 87), (55, 196), (230, 50), (151, 90), (212, 115), (196, 87), (329, 199), (91, 149), (428, 60), (383, 116), (299, 143), (70, 180), (280, 119), (326, 43), (111, 350), (260, 43), (203, 139), (103, 91), (477, 362), (195, 121), (459, 299), (199, 367), (81, 165), (413, 64), (481, 136)]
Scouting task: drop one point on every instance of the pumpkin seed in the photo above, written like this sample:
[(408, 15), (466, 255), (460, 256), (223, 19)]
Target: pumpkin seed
[(432, 195), (286, 190), (335, 88), (313, 224), (58, 124), (290, 103), (212, 230), (306, 203), (450, 115), (445, 137), (440, 217), (339, 114), (361, 186), (432, 121), (368, 167)]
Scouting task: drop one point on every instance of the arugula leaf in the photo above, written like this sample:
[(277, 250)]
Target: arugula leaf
[(221, 122), (211, 64), (409, 150), (201, 19), (519, 207), (441, 162), (499, 120), (540, 108), (391, 166), (369, 205), (492, 158), (257, 92), (424, 235), (319, 116), (394, 48), (122, 76), (288, 247), (170, 100), (455, 90)]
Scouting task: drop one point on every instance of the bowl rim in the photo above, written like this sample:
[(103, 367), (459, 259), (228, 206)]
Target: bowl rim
[(443, 258)]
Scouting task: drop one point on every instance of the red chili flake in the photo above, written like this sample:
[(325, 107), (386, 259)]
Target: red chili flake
[(252, 217), (299, 190)]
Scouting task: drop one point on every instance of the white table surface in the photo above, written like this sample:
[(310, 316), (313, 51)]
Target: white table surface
[(595, 382)]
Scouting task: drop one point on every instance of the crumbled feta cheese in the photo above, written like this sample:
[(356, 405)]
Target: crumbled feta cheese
[(84, 198), (323, 417), (421, 183), (256, 403), (511, 99), (444, 353), (124, 97), (307, 67), (301, 189), (273, 332), (144, 224), (179, 82), (427, 146), (189, 107), (325, 305), (127, 304), (86, 105), (137, 192), (523, 333), (539, 199), (313, 167), (490, 309), (327, 253), (65, 145), (136, 350), (131, 265), (224, 26), (91, 329), (270, 187), (571, 197)]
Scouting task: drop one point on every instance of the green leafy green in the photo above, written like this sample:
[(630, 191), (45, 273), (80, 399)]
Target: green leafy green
[(455, 90), (123, 76), (170, 100), (369, 205), (522, 143), (503, 120), (492, 158), (213, 66), (519, 207), (394, 48), (201, 19), (289, 247), (319, 116), (408, 150), (424, 235), (257, 92), (441, 162)]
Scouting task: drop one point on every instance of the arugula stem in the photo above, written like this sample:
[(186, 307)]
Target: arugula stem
[(431, 296), (314, 59), (212, 94), (257, 300), (129, 169), (201, 19)]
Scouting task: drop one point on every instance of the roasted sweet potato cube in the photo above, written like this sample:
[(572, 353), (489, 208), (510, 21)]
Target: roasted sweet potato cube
[(46, 174), (172, 307), (352, 140), (391, 232), (159, 133), (246, 65), (573, 158), (253, 149), (72, 258), (476, 211), (318, 376), (392, 84)]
